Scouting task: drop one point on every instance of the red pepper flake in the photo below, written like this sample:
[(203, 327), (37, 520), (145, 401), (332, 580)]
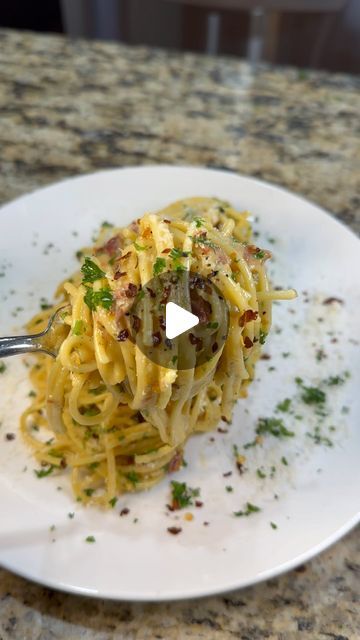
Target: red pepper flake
[(170, 507), (156, 338), (247, 316), (265, 356), (123, 335), (220, 430), (119, 274), (227, 474), (167, 221), (175, 462), (199, 504), (331, 300), (152, 292), (174, 530), (63, 463), (212, 439), (10, 436), (136, 323), (166, 250), (162, 323), (206, 524), (124, 512), (131, 291), (193, 339), (247, 342), (224, 419), (215, 347), (333, 340)]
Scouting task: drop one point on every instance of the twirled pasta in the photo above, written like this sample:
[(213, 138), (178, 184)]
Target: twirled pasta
[(105, 411)]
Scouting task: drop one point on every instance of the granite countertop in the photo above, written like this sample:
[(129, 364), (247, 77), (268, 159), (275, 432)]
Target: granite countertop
[(73, 107)]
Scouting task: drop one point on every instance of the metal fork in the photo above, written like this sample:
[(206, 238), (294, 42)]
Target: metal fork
[(37, 342)]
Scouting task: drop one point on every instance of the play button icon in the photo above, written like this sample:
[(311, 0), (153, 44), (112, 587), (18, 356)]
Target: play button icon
[(178, 320)]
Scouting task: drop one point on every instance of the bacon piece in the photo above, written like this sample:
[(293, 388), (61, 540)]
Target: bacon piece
[(131, 291), (112, 246)]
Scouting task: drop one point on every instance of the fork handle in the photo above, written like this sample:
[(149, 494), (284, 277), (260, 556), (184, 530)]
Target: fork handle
[(16, 345)]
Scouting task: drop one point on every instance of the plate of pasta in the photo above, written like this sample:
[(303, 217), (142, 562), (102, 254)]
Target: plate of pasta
[(138, 466)]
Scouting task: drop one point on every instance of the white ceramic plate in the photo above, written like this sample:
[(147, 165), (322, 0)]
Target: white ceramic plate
[(313, 500)]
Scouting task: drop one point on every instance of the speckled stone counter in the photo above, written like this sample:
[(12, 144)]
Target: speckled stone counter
[(74, 107)]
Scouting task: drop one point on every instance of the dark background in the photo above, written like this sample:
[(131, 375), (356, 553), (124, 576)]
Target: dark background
[(301, 39)]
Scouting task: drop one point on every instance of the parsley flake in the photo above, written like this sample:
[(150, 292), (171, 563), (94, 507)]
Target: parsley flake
[(159, 266), (273, 426), (250, 508), (182, 495), (93, 299), (91, 271)]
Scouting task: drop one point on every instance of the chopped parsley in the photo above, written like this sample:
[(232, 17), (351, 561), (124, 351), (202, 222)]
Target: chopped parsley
[(106, 225), (203, 240), (320, 355), (199, 222), (182, 495), (262, 337), (284, 461), (319, 439), (229, 489), (2, 367), (313, 395), (71, 515), (174, 359), (337, 380), (250, 508), (88, 492), (90, 539), (259, 254), (42, 473), (273, 525), (260, 473), (212, 325), (139, 247), (159, 266), (91, 271), (175, 254), (104, 298), (113, 502), (274, 426), (79, 328), (133, 477), (284, 406)]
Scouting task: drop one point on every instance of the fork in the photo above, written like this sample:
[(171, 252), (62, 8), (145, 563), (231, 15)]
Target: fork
[(37, 342)]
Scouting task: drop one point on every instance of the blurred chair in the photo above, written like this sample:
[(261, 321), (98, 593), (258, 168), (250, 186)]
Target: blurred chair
[(264, 23)]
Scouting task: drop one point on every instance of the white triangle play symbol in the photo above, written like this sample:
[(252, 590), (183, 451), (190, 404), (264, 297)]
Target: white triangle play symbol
[(178, 320)]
